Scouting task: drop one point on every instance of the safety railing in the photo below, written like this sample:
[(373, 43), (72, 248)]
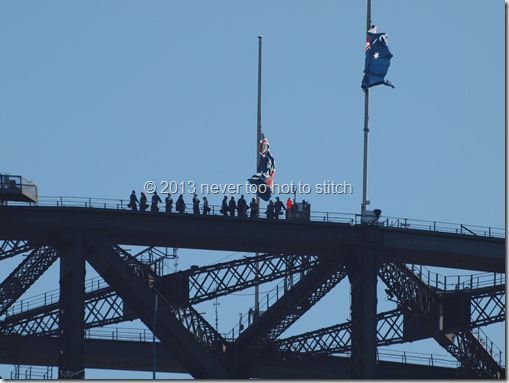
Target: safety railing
[(315, 216), (21, 372), (490, 347), (120, 334), (457, 282), (145, 335), (436, 360), (267, 299), (50, 297)]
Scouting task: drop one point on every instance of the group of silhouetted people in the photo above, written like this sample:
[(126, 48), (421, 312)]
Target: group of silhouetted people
[(230, 207), (233, 208)]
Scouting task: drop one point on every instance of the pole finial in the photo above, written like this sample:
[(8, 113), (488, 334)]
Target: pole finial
[(260, 36)]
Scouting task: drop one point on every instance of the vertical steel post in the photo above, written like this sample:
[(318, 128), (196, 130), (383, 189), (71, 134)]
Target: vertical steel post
[(154, 322), (72, 309)]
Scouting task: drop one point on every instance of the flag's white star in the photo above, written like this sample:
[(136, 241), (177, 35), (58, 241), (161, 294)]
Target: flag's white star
[(376, 55)]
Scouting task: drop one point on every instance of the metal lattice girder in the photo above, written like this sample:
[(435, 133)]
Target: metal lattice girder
[(407, 287), (10, 249), (337, 338), (210, 282), (293, 304), (487, 308), (202, 330), (145, 272), (42, 323), (472, 354), (129, 278), (189, 317), (27, 272), (103, 306), (401, 281)]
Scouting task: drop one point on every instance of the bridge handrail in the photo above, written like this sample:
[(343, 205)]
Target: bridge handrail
[(315, 216), (489, 346), (145, 335), (267, 299), (457, 282), (50, 297)]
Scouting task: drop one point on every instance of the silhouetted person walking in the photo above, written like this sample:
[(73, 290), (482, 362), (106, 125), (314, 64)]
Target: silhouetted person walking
[(224, 206), (155, 202), (270, 210), (233, 206), (206, 208), (143, 202), (180, 205), (242, 207), (168, 202), (133, 201), (254, 208), (196, 205), (277, 207)]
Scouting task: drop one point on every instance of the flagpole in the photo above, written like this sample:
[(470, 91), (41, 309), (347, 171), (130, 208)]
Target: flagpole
[(366, 131), (258, 139)]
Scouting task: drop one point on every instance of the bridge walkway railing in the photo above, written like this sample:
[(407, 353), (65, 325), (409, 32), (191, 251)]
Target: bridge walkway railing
[(315, 216)]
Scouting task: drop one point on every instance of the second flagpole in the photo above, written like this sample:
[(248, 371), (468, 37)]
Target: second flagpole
[(258, 139), (365, 202)]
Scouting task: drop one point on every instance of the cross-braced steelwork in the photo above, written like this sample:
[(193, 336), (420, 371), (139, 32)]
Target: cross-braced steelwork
[(407, 287), (295, 275), (135, 283), (212, 281), (337, 339), (313, 286), (412, 294), (488, 307), (473, 355), (25, 275), (202, 330), (10, 249), (103, 306)]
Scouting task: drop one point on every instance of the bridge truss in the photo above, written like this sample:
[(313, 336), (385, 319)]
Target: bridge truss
[(54, 328)]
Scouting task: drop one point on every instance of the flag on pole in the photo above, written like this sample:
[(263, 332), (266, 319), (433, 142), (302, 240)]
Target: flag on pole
[(266, 169), (378, 59)]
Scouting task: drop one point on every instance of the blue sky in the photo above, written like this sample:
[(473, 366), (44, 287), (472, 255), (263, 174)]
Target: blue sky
[(99, 97)]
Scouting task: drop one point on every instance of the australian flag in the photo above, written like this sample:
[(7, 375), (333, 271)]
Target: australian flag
[(378, 59), (266, 170)]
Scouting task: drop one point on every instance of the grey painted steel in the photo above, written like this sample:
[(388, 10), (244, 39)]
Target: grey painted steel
[(136, 356), (71, 318), (139, 296), (256, 235)]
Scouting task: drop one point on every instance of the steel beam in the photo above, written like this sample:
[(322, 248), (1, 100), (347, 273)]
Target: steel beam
[(71, 315), (362, 272), (255, 235), (337, 339), (283, 313), (136, 292), (10, 249), (104, 306), (432, 312), (137, 356), (25, 275)]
